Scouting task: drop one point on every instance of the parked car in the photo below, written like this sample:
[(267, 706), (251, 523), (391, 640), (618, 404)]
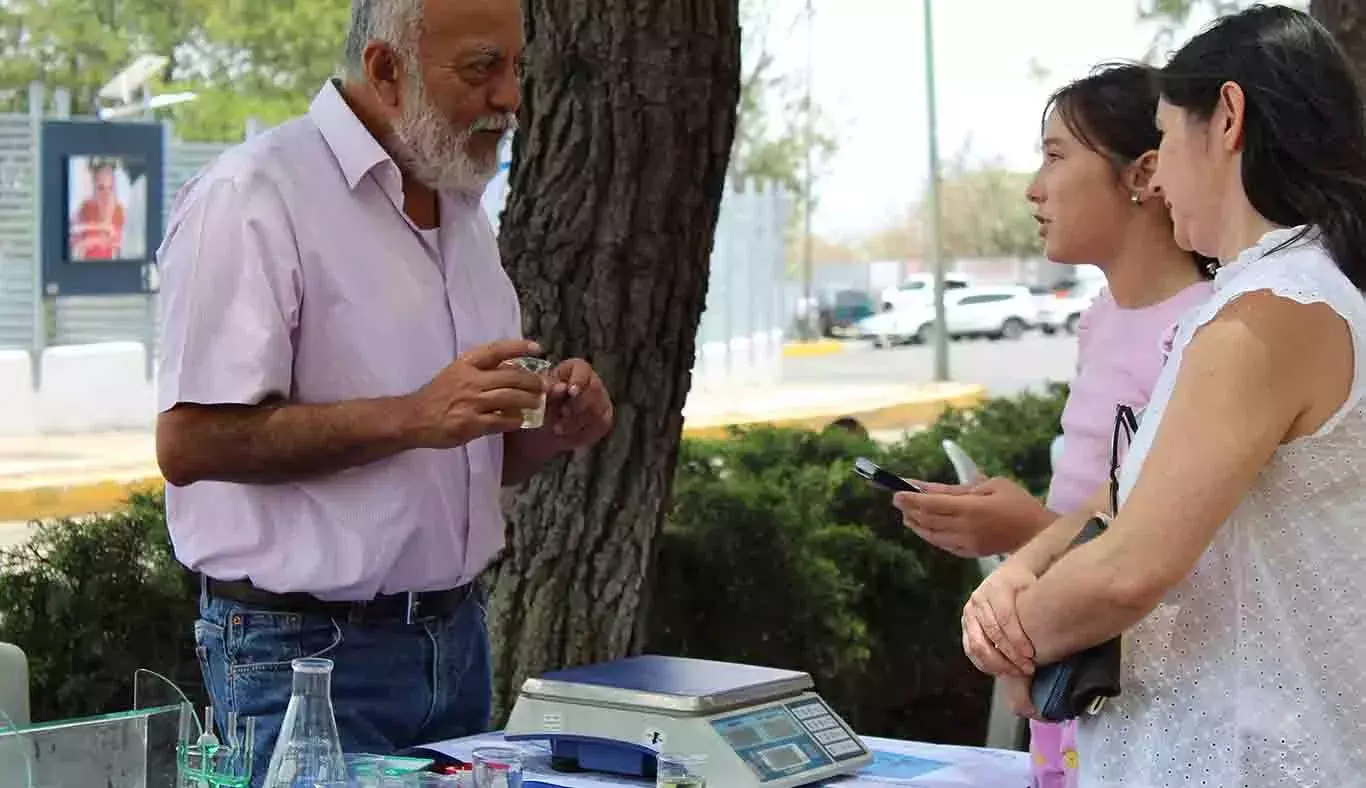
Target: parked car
[(842, 310), (919, 288), (996, 312), (1061, 310)]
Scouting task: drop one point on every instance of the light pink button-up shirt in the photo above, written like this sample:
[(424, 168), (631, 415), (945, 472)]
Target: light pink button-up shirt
[(289, 266)]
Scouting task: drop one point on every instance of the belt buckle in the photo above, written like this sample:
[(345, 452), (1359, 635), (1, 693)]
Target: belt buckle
[(410, 608)]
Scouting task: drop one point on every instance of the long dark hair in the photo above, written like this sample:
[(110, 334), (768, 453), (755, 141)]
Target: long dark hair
[(1304, 132), (1111, 111)]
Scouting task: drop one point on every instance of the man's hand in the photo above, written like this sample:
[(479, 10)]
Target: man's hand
[(970, 521), (992, 635), (578, 411), (477, 395)]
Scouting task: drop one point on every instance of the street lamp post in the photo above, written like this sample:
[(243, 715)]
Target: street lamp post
[(811, 312), (934, 247)]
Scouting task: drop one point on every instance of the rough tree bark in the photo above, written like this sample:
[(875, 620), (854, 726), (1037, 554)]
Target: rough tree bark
[(1346, 20), (627, 122)]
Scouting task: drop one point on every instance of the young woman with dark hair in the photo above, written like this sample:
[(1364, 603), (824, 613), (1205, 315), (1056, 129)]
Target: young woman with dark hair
[(1094, 199)]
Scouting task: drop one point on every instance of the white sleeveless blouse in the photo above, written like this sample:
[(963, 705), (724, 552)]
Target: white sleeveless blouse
[(1252, 671)]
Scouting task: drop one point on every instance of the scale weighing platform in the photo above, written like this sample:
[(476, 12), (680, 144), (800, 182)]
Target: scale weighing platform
[(756, 727)]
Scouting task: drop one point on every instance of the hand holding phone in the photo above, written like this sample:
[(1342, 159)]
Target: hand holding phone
[(881, 478)]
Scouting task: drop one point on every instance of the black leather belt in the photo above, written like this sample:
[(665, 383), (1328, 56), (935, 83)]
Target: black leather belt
[(407, 608)]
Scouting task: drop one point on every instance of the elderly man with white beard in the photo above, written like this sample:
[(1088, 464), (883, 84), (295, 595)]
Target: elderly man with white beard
[(336, 414)]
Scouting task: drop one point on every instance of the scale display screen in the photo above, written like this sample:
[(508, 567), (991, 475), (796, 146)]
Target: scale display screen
[(783, 727), (780, 741), (743, 738), (783, 757)]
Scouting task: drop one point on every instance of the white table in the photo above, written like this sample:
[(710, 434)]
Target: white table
[(898, 763)]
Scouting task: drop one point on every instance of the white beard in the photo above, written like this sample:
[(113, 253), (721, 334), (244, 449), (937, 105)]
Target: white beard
[(432, 150)]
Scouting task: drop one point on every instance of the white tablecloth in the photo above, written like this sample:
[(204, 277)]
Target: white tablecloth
[(897, 763)]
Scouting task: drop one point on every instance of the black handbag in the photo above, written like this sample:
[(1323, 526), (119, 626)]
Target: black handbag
[(1080, 684)]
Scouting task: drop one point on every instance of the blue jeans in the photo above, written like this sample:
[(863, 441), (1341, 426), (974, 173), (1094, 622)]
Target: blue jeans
[(394, 685)]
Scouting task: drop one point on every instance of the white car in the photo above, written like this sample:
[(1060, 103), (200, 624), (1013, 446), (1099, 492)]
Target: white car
[(998, 312), (1061, 311), (919, 288)]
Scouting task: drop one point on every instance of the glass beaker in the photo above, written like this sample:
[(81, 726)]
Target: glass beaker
[(497, 767), (677, 770), (308, 752), (533, 419)]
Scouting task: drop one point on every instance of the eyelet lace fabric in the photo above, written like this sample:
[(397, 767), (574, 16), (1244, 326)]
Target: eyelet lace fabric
[(1252, 671)]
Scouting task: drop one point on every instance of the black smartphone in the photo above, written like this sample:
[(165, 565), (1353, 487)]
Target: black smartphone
[(882, 478)]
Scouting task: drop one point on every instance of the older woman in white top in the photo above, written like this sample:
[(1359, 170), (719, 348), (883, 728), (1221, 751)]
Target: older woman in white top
[(1235, 567)]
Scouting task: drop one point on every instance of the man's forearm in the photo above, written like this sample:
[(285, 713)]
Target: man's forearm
[(280, 442), (525, 453)]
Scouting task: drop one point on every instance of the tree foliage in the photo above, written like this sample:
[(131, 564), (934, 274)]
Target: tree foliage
[(245, 58), (264, 60), (82, 44), (983, 213), (771, 136)]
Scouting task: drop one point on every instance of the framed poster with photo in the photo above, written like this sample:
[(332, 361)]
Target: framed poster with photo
[(102, 206)]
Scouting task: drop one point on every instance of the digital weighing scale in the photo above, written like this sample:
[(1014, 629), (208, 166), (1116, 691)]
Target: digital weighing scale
[(756, 727)]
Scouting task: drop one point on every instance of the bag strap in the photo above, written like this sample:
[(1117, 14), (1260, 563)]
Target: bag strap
[(1126, 424)]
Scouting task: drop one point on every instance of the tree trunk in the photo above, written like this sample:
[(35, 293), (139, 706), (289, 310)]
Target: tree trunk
[(627, 122), (1346, 20)]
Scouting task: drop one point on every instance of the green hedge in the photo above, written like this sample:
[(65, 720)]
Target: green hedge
[(773, 554), (91, 601)]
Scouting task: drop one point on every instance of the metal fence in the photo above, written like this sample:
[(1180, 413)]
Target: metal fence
[(748, 308), (18, 231), (31, 323), (739, 339)]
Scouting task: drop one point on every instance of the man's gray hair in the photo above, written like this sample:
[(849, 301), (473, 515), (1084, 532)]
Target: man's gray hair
[(395, 22)]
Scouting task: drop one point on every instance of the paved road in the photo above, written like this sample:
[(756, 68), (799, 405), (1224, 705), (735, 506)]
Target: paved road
[(13, 534), (1004, 367)]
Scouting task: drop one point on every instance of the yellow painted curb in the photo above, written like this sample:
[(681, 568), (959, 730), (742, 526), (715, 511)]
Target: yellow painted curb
[(824, 347), (67, 500), (915, 412), (103, 495)]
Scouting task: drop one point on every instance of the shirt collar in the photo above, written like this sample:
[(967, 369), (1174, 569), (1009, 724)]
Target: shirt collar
[(352, 144), (1272, 241)]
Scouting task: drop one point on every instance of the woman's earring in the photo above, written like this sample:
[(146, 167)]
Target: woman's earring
[(1136, 199)]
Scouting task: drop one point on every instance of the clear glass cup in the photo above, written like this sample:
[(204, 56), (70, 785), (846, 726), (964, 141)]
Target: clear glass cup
[(680, 770), (533, 419), (497, 767)]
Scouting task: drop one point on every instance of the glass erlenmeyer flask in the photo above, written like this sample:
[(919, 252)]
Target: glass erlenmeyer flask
[(308, 753)]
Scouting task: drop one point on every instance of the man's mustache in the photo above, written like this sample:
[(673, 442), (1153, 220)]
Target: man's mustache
[(499, 123)]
